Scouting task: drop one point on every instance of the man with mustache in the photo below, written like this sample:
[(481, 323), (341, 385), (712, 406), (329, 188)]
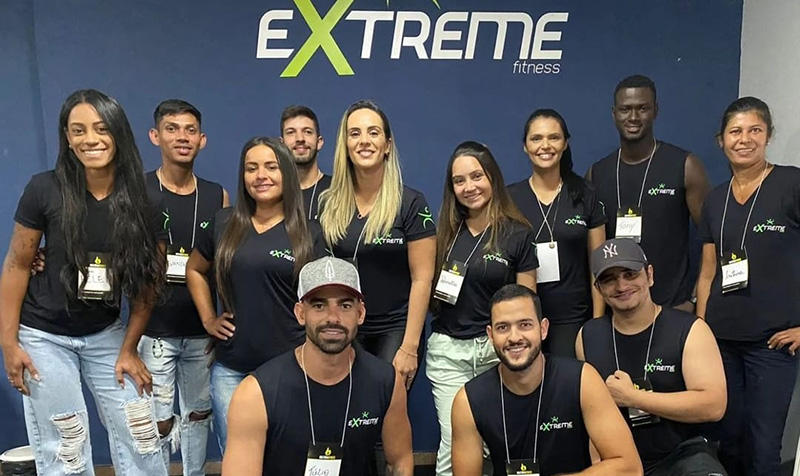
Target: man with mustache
[(661, 365), (300, 133), (323, 405), (536, 413), (650, 189)]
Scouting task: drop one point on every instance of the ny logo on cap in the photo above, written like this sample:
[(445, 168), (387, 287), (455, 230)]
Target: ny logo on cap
[(330, 273), (609, 251)]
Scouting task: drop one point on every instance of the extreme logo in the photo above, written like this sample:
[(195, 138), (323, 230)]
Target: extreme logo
[(285, 254), (660, 190), (454, 37), (769, 226), (495, 257), (576, 220), (363, 420), (555, 424), (387, 240), (658, 366)]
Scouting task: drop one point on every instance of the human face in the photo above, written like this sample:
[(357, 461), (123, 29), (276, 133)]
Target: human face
[(745, 139), (331, 316), (301, 137), (263, 179), (516, 333), (625, 289), (179, 138), (367, 143), (471, 185), (89, 138), (545, 143), (634, 111)]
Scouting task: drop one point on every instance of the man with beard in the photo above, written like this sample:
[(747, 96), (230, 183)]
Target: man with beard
[(661, 365), (323, 405), (649, 189), (300, 133), (536, 413)]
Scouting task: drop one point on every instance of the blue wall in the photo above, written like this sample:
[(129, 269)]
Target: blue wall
[(205, 51)]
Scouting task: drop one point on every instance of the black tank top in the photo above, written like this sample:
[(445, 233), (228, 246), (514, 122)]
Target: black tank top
[(654, 442), (177, 316), (284, 389), (665, 223), (563, 440)]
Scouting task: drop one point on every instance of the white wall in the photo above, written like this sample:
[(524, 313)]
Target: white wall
[(770, 70)]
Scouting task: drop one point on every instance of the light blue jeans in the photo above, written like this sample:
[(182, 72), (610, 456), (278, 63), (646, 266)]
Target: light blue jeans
[(223, 383), (55, 412), (181, 361)]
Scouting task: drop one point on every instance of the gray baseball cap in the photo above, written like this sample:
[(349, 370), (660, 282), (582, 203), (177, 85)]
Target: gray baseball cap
[(618, 253), (328, 271)]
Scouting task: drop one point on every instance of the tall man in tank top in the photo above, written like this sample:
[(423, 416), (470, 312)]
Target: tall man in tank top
[(300, 132), (650, 189), (320, 408), (661, 365), (536, 413)]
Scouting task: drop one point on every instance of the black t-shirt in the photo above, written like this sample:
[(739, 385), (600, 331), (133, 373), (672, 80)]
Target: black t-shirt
[(383, 263), (664, 371), (665, 220), (311, 196), (263, 290), (568, 300), (563, 439), (772, 242), (178, 317), (47, 306), (289, 429), (487, 271)]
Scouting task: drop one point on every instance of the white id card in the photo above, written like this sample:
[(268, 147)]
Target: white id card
[(548, 270), (629, 224), (97, 286), (176, 265), (324, 459), (450, 281), (735, 272)]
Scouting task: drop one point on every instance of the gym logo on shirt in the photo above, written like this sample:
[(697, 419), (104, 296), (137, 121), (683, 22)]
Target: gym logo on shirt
[(204, 225), (166, 220), (427, 216), (576, 220), (555, 424), (496, 257), (363, 420), (285, 254), (387, 240), (660, 190), (769, 226), (658, 366)]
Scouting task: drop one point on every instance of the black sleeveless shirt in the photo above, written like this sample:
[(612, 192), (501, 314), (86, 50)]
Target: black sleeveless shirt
[(664, 370), (665, 222), (563, 440), (289, 435)]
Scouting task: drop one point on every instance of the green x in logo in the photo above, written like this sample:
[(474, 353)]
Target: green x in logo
[(427, 216), (320, 38), (545, 426)]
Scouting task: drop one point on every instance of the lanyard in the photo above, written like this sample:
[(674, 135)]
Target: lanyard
[(308, 393), (447, 258), (538, 412), (649, 342), (545, 215), (196, 199), (752, 205), (644, 180), (360, 237), (314, 194)]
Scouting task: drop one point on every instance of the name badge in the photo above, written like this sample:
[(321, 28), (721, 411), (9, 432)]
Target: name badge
[(548, 270), (176, 265), (98, 284), (636, 416), (522, 466), (450, 281), (324, 459), (734, 271), (629, 223)]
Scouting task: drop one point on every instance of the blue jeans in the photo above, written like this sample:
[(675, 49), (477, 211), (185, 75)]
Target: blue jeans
[(56, 416), (181, 361), (760, 384), (223, 383)]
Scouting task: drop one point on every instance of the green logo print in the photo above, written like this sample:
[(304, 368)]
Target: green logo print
[(166, 219), (204, 225), (658, 366), (285, 254), (363, 420), (387, 240), (320, 38), (769, 226), (427, 216), (576, 220), (555, 423), (661, 190)]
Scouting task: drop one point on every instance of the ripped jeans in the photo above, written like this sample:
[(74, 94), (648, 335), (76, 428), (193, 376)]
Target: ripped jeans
[(56, 416)]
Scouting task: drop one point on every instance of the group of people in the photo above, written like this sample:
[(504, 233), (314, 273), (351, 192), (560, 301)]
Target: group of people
[(306, 295)]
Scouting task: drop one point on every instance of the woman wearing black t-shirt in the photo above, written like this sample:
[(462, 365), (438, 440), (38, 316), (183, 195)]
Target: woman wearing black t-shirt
[(751, 260), (63, 325), (483, 243), (569, 223), (387, 230), (256, 248)]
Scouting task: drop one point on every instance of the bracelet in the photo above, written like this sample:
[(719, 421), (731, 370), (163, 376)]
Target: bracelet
[(408, 353)]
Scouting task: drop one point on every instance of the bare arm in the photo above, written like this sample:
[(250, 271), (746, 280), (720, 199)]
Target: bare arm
[(421, 261), (527, 279), (579, 346), (588, 175), (396, 433), (708, 269), (596, 237), (467, 444), (226, 199), (697, 187), (247, 431), (197, 269)]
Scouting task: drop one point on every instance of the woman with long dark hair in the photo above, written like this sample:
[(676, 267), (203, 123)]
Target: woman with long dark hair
[(369, 217), (483, 242), (569, 223), (256, 249), (63, 325), (751, 259)]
